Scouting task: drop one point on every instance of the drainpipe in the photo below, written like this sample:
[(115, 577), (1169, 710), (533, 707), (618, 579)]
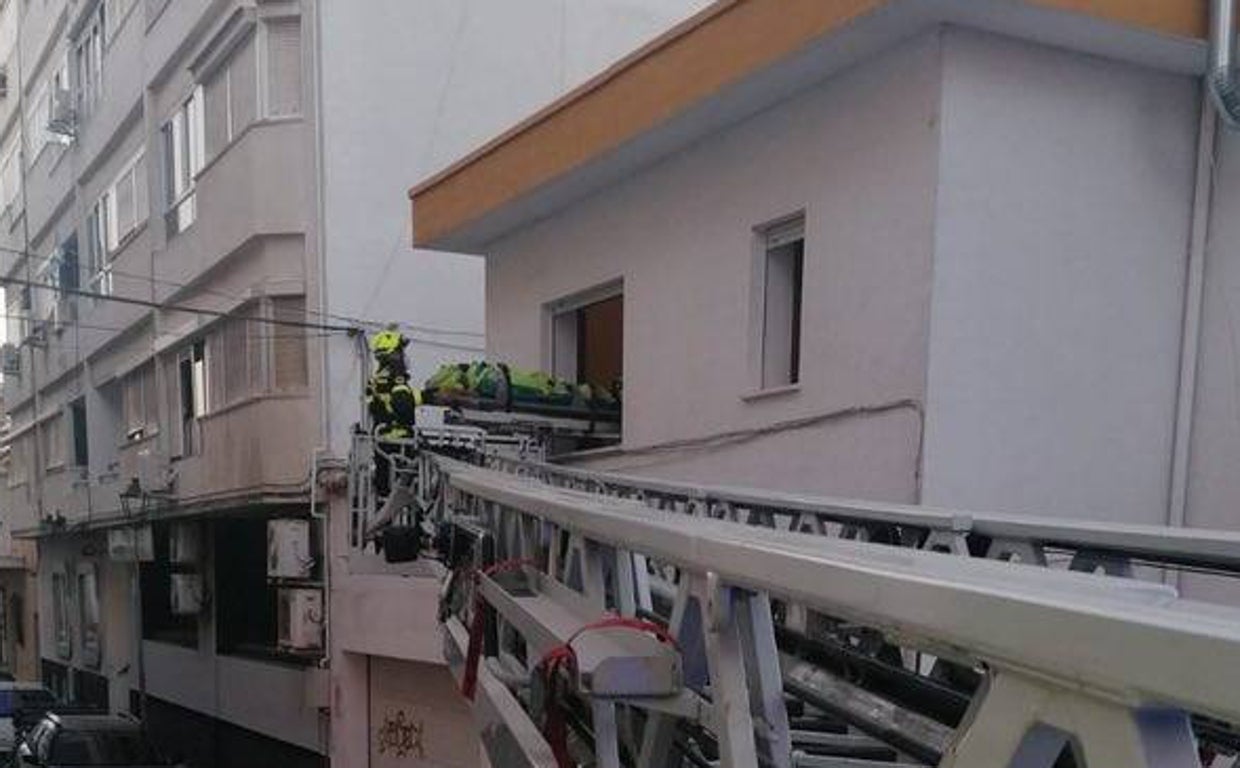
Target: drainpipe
[(1220, 71), (1223, 101)]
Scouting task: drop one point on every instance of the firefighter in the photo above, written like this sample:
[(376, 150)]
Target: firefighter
[(391, 401)]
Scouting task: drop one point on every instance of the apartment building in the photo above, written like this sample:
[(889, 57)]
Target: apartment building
[(200, 215), (971, 255)]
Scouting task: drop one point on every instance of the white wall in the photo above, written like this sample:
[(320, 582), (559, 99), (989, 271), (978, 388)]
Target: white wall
[(1059, 274), (858, 154), (409, 86), (1214, 483)]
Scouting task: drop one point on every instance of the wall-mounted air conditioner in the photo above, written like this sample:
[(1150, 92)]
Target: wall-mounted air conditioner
[(127, 545), (300, 619), (184, 543), (186, 594), (288, 549)]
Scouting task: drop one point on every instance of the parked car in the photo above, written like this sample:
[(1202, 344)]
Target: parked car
[(21, 706), (62, 740)]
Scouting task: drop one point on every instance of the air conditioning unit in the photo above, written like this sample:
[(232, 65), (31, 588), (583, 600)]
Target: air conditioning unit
[(186, 594), (127, 545), (299, 621), (11, 360), (62, 121), (154, 471), (288, 549), (184, 543), (4, 82)]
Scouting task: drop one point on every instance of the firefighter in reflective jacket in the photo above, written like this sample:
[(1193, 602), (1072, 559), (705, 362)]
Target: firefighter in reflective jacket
[(392, 403)]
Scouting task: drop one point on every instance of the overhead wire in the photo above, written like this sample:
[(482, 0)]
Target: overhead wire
[(361, 323)]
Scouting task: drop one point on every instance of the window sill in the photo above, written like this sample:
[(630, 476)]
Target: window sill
[(763, 394)]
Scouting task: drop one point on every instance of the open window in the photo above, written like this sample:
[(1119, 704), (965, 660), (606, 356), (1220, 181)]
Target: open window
[(81, 447), (587, 337), (192, 385), (778, 270)]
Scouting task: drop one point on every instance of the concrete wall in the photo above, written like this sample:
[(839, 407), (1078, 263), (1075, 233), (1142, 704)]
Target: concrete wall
[(857, 154), (1060, 255), (407, 87)]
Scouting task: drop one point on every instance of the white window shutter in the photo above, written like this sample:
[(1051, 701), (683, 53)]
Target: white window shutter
[(284, 67)]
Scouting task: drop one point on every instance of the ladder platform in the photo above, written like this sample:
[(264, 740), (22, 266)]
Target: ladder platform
[(611, 663)]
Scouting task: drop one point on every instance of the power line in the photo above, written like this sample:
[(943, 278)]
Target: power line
[(6, 281), (360, 322)]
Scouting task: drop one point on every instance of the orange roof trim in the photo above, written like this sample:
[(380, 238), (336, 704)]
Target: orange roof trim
[(719, 46)]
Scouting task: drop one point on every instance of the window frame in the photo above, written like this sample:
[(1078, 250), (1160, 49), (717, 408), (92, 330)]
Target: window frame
[(183, 148), (767, 238), (556, 312), (88, 56), (265, 60)]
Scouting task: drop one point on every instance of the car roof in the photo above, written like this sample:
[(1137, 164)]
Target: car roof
[(93, 722)]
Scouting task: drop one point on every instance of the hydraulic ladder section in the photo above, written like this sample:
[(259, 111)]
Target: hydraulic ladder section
[(858, 641), (596, 630)]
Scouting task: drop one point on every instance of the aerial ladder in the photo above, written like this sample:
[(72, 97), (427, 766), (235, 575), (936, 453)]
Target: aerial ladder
[(598, 619)]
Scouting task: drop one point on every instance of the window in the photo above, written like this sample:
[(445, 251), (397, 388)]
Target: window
[(183, 159), (88, 55), (98, 266), (283, 92), (36, 122), (88, 603), (18, 306), (587, 342), (192, 375), (52, 433), (781, 249), (139, 405), (81, 448), (126, 204), (236, 337), (231, 98), (68, 277), (19, 460), (60, 615), (288, 344), (159, 622), (10, 179)]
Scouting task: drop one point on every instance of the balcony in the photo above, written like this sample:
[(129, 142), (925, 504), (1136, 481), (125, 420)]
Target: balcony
[(257, 447), (255, 188)]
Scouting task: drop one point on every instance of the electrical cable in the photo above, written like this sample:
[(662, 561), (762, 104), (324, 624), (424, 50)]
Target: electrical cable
[(361, 322)]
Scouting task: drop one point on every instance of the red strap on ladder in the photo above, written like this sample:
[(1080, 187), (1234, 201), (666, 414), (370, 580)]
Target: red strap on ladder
[(564, 658), (477, 627)]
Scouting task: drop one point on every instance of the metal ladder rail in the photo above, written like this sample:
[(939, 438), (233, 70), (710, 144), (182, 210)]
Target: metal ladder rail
[(1149, 648), (1113, 548)]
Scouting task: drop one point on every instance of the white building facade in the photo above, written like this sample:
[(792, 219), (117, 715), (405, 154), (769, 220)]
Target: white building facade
[(925, 253), (193, 197)]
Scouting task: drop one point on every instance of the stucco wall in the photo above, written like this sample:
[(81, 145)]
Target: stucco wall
[(1214, 484), (858, 155), (1059, 274), (407, 87)]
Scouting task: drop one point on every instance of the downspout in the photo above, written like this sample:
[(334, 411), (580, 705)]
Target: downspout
[(1222, 101), (1194, 292)]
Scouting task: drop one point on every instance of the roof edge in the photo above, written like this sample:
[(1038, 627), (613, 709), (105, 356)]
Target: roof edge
[(695, 60)]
